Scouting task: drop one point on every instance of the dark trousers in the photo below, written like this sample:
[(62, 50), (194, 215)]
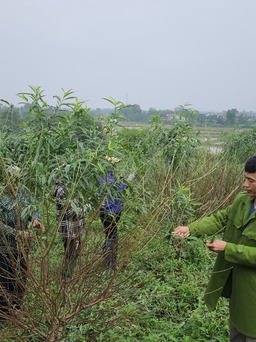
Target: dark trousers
[(13, 275), (72, 247), (110, 244), (235, 336)]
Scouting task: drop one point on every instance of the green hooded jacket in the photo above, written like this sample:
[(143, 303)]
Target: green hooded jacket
[(234, 273)]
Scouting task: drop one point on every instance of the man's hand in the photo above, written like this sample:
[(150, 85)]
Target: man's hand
[(182, 231), (37, 223), (216, 246)]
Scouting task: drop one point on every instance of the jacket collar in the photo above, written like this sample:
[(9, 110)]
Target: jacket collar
[(247, 200)]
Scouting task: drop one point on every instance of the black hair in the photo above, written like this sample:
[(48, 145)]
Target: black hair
[(250, 165)]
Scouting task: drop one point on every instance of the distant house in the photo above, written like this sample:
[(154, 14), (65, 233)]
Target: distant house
[(170, 116), (221, 115)]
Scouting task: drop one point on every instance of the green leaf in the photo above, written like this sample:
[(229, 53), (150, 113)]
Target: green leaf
[(57, 97), (6, 102), (109, 100), (101, 168)]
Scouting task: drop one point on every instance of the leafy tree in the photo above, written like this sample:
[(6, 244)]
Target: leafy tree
[(133, 113), (231, 116), (63, 141)]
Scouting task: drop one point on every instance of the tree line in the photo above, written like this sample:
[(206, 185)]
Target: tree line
[(12, 117)]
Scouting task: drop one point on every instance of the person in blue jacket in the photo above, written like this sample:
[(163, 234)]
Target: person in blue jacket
[(110, 213)]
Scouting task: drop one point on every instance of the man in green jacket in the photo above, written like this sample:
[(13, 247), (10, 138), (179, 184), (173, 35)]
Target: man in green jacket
[(234, 273)]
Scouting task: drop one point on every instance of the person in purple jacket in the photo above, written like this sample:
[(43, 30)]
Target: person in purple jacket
[(110, 213)]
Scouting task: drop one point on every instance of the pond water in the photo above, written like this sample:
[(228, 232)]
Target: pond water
[(215, 149)]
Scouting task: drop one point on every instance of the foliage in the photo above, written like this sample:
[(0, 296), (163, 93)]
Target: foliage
[(156, 292), (12, 117), (231, 117), (239, 145), (175, 144), (9, 117), (213, 181)]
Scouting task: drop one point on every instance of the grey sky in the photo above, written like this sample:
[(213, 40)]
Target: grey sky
[(156, 53)]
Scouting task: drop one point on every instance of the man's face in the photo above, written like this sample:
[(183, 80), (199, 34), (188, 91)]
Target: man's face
[(250, 183)]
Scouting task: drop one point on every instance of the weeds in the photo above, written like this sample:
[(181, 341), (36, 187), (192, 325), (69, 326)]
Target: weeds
[(155, 293)]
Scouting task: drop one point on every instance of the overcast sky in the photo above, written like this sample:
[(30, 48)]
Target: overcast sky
[(155, 53)]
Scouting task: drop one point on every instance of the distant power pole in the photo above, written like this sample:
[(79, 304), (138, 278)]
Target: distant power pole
[(126, 99)]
